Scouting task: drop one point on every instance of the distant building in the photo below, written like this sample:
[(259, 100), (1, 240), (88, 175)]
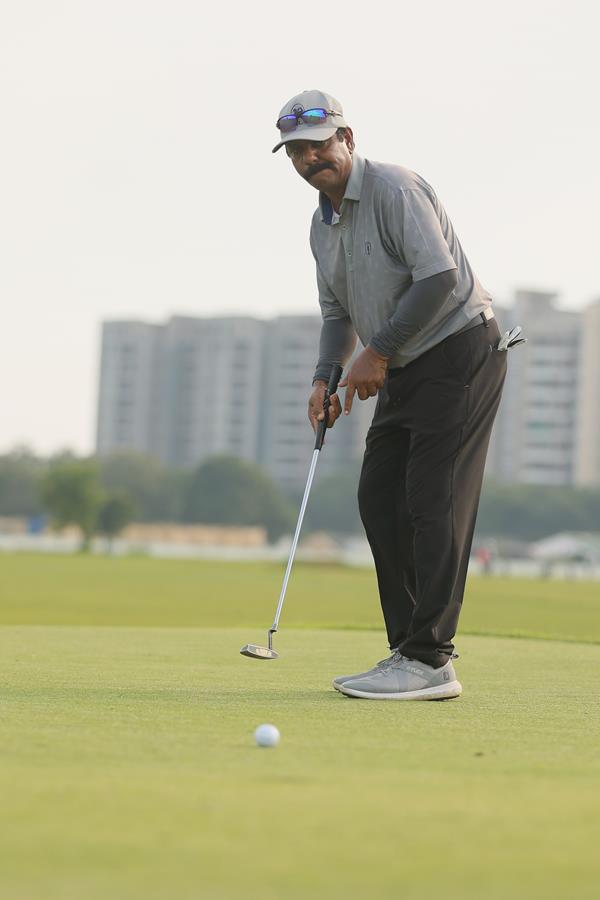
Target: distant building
[(587, 469), (535, 438), (210, 384), (291, 352), (129, 386), (194, 388)]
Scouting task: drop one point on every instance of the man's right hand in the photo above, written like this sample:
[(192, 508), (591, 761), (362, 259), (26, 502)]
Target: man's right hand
[(316, 413)]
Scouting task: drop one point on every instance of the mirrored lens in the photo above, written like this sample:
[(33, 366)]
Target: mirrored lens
[(313, 116), (287, 123)]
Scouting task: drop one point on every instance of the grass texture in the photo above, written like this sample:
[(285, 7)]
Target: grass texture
[(54, 590), (128, 767)]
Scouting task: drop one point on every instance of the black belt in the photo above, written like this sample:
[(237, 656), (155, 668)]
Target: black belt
[(484, 318)]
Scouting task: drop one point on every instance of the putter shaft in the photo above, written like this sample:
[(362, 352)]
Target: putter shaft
[(286, 577), (254, 650)]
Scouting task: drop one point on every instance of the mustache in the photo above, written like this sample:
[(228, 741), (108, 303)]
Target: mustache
[(314, 170)]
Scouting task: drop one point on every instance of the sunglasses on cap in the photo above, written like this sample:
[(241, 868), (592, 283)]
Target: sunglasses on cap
[(307, 117)]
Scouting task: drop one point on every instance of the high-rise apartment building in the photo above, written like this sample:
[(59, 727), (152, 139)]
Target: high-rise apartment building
[(182, 391), (210, 377), (535, 437), (587, 470), (194, 388), (291, 352), (129, 385)]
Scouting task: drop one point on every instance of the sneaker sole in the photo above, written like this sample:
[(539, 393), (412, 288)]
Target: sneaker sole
[(439, 692)]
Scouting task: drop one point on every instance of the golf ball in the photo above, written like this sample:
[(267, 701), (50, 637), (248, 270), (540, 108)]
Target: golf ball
[(266, 736)]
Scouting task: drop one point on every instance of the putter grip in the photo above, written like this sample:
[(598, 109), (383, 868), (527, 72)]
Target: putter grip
[(336, 374)]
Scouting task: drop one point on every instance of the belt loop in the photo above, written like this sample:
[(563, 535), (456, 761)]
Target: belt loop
[(484, 320)]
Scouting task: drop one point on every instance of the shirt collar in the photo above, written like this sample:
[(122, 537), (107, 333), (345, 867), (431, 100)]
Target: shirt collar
[(352, 192), (354, 185)]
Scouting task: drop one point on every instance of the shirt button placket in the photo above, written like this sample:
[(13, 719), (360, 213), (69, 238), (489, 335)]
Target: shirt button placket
[(347, 239)]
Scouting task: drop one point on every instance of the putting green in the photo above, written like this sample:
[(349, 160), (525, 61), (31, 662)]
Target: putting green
[(128, 770)]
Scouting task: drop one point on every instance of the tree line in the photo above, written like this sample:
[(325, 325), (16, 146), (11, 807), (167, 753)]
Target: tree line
[(102, 495)]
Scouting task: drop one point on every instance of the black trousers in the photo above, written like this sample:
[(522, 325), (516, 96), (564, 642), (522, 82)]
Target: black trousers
[(420, 485)]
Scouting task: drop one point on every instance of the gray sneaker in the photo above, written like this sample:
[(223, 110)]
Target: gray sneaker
[(382, 664), (405, 679)]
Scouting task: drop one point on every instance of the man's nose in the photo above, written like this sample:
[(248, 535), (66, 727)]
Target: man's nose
[(310, 154)]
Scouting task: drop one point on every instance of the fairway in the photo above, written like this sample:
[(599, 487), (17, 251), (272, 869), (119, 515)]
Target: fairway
[(129, 769), (79, 590)]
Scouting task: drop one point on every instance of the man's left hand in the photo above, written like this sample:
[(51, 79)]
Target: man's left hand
[(365, 377)]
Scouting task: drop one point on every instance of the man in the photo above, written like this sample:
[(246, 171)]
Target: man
[(391, 270)]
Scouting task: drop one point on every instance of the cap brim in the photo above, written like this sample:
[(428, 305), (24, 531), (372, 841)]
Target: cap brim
[(308, 133)]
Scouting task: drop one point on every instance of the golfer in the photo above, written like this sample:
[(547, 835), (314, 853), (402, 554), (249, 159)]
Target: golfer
[(391, 270)]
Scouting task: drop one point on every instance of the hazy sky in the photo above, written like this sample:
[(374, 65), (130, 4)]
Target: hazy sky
[(137, 179)]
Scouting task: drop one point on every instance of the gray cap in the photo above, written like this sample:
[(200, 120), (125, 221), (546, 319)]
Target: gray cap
[(311, 100)]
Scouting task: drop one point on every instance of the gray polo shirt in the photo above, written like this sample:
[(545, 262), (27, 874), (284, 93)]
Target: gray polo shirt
[(392, 230)]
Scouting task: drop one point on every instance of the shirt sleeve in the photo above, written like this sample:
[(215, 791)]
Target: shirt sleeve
[(336, 345), (415, 231), (421, 303)]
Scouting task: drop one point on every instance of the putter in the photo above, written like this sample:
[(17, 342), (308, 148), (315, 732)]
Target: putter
[(254, 651)]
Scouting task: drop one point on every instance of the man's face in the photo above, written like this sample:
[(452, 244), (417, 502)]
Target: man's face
[(324, 164)]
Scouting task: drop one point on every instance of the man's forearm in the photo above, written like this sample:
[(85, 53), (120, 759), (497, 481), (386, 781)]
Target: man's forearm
[(418, 306), (336, 345)]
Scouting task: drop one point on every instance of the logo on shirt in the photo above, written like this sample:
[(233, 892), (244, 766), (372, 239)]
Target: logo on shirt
[(368, 248)]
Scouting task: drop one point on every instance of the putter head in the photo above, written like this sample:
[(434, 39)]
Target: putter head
[(256, 652)]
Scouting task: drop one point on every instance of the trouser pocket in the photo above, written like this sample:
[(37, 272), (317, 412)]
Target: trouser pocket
[(478, 368)]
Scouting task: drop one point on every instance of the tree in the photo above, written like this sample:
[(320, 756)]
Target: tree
[(71, 494), (333, 505), (115, 513), (156, 492), (20, 475), (226, 490), (531, 512)]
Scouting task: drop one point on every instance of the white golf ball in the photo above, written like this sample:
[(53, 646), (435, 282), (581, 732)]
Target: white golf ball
[(266, 736)]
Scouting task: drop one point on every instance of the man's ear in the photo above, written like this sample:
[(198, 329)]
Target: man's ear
[(349, 138)]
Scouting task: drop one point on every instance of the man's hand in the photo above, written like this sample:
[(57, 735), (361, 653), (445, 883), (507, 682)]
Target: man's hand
[(365, 378), (316, 413)]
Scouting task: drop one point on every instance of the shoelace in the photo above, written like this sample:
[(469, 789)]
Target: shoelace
[(396, 657), (397, 664)]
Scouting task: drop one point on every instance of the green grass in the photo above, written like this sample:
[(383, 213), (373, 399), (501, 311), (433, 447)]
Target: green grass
[(128, 769), (52, 590)]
